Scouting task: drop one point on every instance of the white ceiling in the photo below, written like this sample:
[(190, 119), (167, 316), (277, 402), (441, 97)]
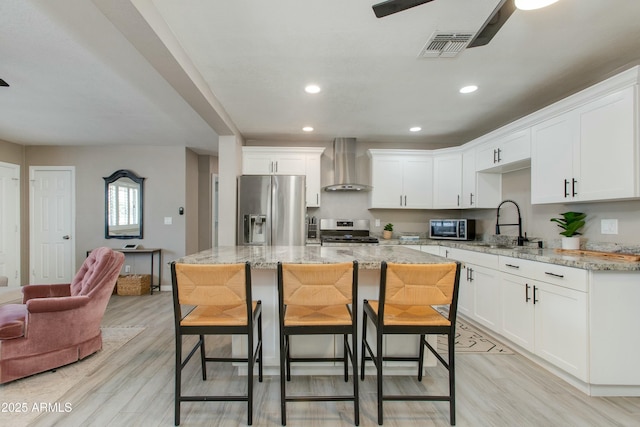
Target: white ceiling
[(169, 72)]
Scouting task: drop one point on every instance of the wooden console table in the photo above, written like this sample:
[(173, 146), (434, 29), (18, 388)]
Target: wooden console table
[(151, 252)]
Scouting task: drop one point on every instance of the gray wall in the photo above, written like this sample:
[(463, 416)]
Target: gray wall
[(164, 170)]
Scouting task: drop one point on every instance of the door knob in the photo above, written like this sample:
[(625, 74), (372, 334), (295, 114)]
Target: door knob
[(67, 237)]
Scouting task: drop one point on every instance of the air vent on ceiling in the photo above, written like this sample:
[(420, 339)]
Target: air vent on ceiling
[(445, 45)]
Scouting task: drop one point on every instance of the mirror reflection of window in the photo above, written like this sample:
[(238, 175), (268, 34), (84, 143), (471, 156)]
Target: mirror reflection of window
[(123, 210)]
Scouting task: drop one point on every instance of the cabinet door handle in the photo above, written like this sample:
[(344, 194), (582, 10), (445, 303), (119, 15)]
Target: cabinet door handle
[(470, 274), (495, 153), (566, 192), (573, 187), (468, 279), (554, 275), (535, 289), (458, 200), (276, 167), (405, 200), (401, 200), (499, 159), (526, 293), (470, 199), (512, 266), (317, 198)]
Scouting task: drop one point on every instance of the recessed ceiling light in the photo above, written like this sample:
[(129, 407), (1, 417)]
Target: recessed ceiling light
[(469, 89), (533, 4), (307, 129), (312, 89), (415, 129)]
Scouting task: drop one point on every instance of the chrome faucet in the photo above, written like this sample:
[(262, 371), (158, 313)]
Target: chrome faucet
[(521, 238)]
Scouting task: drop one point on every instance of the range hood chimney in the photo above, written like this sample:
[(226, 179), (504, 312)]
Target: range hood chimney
[(344, 166)]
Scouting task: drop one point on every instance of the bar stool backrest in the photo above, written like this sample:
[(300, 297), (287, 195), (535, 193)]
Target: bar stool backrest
[(420, 284), (202, 284), (317, 284)]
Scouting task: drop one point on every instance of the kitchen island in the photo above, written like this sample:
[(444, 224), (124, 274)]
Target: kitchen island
[(264, 260)]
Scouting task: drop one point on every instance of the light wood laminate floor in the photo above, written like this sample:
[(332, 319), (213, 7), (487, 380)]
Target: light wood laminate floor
[(136, 389)]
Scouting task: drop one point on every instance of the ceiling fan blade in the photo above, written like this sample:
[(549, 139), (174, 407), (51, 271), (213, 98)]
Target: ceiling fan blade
[(390, 7), (491, 26)]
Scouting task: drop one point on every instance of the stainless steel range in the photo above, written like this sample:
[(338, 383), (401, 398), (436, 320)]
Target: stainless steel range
[(343, 232)]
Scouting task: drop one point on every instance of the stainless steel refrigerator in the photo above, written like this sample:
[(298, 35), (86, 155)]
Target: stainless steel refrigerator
[(271, 210)]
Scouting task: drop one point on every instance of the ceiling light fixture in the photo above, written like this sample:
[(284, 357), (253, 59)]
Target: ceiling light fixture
[(469, 89), (533, 4), (415, 129), (307, 129), (312, 89)]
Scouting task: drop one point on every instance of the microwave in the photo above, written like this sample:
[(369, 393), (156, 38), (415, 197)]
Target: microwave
[(452, 229)]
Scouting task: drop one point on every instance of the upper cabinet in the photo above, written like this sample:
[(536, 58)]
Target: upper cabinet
[(273, 161), (447, 181), (401, 179), (589, 153), (286, 161), (505, 153), (479, 189)]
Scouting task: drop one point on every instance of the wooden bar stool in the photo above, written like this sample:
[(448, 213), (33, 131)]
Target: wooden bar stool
[(407, 294), (220, 303), (316, 299)]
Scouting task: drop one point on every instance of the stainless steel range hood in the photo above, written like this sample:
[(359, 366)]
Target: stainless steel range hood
[(344, 166)]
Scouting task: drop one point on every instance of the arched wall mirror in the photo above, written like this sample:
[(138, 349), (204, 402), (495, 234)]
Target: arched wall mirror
[(123, 192)]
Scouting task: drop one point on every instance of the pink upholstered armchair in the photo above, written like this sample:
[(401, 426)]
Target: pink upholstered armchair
[(58, 324)]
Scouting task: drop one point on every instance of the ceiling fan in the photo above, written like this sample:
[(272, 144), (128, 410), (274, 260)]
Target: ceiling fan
[(498, 17)]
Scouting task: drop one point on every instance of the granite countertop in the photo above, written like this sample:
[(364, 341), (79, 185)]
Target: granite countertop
[(533, 253), (267, 257)]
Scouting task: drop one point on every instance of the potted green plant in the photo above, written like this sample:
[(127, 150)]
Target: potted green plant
[(388, 231), (570, 223)]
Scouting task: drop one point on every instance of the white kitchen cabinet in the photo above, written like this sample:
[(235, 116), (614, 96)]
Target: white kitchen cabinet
[(447, 181), (487, 302), (544, 310), (505, 153), (517, 323), (588, 153), (561, 327), (478, 295), (312, 171), (286, 161), (466, 293), (273, 161), (401, 179), (479, 189)]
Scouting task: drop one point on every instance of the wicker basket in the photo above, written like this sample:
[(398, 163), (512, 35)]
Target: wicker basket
[(134, 284)]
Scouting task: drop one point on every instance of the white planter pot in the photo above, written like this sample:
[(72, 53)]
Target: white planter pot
[(571, 242)]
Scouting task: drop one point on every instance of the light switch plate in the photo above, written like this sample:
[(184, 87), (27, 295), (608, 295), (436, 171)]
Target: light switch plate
[(609, 226), (168, 220)]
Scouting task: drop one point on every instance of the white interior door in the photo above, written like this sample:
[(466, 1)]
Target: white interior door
[(52, 224), (10, 223)]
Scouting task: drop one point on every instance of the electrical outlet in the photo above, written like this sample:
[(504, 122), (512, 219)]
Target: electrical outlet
[(127, 269), (377, 222), (609, 226)]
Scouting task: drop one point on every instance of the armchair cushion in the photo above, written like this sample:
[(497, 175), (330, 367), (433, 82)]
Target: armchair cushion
[(12, 319)]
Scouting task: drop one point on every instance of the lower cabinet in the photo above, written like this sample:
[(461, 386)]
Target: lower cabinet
[(486, 298), (518, 322), (539, 307), (548, 320), (561, 327)]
